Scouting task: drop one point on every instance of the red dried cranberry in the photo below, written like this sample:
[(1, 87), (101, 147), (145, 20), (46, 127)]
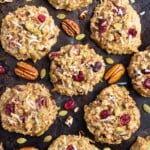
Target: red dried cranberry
[(147, 83), (70, 147), (9, 108), (103, 23), (2, 70), (79, 77), (70, 104), (40, 102), (41, 17), (105, 113), (132, 32), (125, 119), (97, 66), (52, 55)]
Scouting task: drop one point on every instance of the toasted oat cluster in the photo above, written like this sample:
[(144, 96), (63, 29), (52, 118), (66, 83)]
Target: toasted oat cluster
[(72, 142), (115, 27), (4, 1), (27, 109), (139, 71), (141, 144), (113, 116), (28, 32), (69, 4), (75, 69)]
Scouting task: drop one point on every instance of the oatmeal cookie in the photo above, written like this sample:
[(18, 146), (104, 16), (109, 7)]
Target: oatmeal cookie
[(69, 4), (115, 27), (4, 1), (113, 116), (27, 109), (70, 142), (28, 32), (1, 146), (75, 69), (141, 144), (139, 71)]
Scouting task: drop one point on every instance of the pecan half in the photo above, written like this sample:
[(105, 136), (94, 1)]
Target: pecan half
[(114, 73), (26, 71), (70, 27)]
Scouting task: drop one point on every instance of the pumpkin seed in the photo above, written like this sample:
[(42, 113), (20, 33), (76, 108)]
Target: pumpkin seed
[(21, 140), (107, 148), (28, 0), (80, 36), (61, 16), (43, 73), (63, 113), (146, 108), (48, 138), (109, 60)]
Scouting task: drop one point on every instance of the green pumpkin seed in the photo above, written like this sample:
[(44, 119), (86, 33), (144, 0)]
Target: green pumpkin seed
[(43, 73), (61, 16), (80, 37), (109, 60), (146, 108), (21, 140), (63, 113), (48, 138)]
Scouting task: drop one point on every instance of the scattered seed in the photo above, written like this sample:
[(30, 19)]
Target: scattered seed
[(80, 37), (146, 108), (48, 138), (61, 16), (76, 109), (107, 148), (43, 73), (21, 140), (109, 60), (63, 113)]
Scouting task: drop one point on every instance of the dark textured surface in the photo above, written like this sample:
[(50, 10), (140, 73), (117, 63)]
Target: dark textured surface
[(10, 79)]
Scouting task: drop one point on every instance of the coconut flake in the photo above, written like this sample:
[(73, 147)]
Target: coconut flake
[(142, 13), (107, 119), (16, 24)]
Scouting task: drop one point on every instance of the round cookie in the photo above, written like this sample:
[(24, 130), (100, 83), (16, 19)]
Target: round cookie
[(72, 142), (115, 27), (75, 69), (113, 116), (1, 146), (4, 1), (28, 32), (141, 144), (139, 71), (69, 4), (27, 109)]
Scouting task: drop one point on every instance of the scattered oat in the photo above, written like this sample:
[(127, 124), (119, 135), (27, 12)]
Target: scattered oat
[(43, 73), (83, 15), (61, 16), (69, 121), (109, 60), (142, 13), (76, 109), (21, 140), (47, 138), (80, 37), (146, 108), (63, 113)]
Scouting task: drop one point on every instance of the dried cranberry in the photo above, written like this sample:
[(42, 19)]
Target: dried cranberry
[(41, 17), (52, 55), (2, 70), (132, 32), (9, 108), (59, 69), (70, 104), (70, 147), (120, 11), (41, 101), (105, 113), (79, 77), (125, 119), (147, 83), (146, 71), (103, 23), (97, 66), (23, 117)]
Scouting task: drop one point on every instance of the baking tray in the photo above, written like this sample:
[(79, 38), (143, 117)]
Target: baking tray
[(58, 128)]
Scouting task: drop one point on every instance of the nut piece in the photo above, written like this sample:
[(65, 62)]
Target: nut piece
[(83, 15), (114, 73), (26, 71), (70, 27)]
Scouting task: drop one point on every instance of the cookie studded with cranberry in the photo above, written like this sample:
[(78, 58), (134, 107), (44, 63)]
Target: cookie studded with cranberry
[(139, 71), (27, 109), (72, 142), (113, 116), (115, 27), (75, 69)]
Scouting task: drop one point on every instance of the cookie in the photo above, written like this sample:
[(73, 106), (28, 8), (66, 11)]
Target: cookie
[(115, 27), (4, 1), (113, 116), (72, 142), (27, 109), (139, 71), (1, 146), (28, 32), (69, 4), (75, 69), (141, 144)]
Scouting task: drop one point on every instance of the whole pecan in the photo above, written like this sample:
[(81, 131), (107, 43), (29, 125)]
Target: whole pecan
[(26, 71), (70, 27)]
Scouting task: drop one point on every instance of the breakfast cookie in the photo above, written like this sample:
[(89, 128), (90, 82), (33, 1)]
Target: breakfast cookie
[(75, 69), (115, 27), (27, 109), (113, 116), (28, 32), (72, 142), (1, 146), (139, 71), (69, 4), (4, 1), (141, 144)]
